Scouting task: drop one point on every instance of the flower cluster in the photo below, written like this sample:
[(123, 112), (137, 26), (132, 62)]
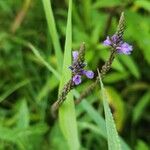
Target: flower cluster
[(120, 46), (77, 69)]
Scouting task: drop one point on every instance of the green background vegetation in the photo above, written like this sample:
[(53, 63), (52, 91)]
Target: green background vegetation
[(32, 52)]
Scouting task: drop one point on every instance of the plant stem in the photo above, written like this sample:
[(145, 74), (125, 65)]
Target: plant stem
[(105, 68)]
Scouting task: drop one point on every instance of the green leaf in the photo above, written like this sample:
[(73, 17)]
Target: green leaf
[(50, 84), (23, 115), (131, 65), (38, 55), (67, 116), (140, 106), (141, 145), (143, 4), (118, 106), (95, 117), (53, 31), (17, 135), (138, 26), (106, 3), (112, 135), (98, 119), (13, 89), (115, 77)]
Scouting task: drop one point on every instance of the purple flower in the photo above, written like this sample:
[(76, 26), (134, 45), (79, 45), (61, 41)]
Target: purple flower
[(89, 74), (107, 42), (114, 39), (77, 69), (120, 46), (77, 79), (111, 40), (75, 55), (124, 48)]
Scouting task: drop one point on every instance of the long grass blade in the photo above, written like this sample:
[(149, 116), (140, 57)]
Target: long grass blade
[(13, 89), (98, 120), (140, 107), (67, 117), (112, 135), (38, 55), (53, 32)]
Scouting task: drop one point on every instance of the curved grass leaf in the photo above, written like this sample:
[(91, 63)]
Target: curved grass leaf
[(140, 106), (131, 65)]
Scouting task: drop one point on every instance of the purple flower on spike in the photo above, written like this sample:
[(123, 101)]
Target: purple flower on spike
[(77, 79), (111, 41), (119, 45), (75, 55), (89, 74), (124, 48), (107, 42), (77, 69)]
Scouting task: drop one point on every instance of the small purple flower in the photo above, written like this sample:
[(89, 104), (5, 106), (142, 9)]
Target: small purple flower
[(75, 55), (107, 42), (120, 46), (77, 69), (111, 40), (89, 74), (124, 48), (77, 79), (114, 39)]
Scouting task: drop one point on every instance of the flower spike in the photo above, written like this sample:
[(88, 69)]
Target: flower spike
[(116, 41), (77, 69), (117, 46)]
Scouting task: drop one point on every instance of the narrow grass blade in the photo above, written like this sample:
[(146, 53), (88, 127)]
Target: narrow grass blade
[(38, 55), (23, 118), (131, 65), (99, 121), (67, 116), (17, 134), (53, 31), (140, 107), (112, 135), (13, 89)]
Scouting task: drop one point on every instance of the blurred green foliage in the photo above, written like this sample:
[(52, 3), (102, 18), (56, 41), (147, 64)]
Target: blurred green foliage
[(28, 83)]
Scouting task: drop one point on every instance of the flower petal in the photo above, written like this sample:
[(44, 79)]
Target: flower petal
[(114, 39), (77, 79), (89, 74), (124, 48), (107, 42), (75, 55)]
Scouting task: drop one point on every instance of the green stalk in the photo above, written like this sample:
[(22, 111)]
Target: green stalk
[(67, 116), (53, 32)]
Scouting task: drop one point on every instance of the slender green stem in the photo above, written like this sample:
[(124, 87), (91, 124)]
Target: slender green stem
[(53, 32)]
